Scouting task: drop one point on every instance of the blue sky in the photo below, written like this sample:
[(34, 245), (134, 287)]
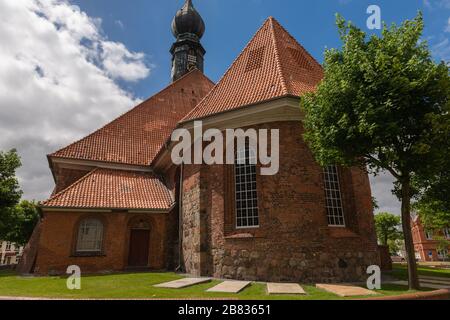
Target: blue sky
[(144, 26)]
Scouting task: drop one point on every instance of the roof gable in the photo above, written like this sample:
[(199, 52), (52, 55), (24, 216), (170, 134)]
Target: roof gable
[(137, 136), (272, 65)]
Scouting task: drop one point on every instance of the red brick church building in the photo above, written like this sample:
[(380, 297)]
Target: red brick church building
[(121, 204)]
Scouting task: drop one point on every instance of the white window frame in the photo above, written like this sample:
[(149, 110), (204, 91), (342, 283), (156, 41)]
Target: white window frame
[(241, 189), (442, 254), (429, 234), (446, 232), (335, 211), (8, 246), (83, 231)]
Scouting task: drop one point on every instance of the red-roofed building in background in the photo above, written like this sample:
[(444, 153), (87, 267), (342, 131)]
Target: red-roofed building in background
[(120, 202), (430, 245)]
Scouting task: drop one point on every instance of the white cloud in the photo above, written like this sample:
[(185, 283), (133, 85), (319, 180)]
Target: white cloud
[(56, 82), (119, 63), (382, 186), (120, 24), (441, 50), (431, 4), (447, 28)]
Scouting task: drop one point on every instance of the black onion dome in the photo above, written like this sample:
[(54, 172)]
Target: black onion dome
[(188, 20)]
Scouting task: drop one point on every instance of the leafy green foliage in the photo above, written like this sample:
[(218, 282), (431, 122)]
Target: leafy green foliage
[(17, 220), (10, 192), (395, 246), (433, 203), (442, 246), (20, 222), (383, 102), (386, 225)]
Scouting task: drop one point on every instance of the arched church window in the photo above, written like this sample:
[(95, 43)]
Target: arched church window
[(246, 192), (90, 236), (333, 197)]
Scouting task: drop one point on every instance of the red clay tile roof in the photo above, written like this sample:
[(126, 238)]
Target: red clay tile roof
[(272, 65), (113, 189), (137, 136)]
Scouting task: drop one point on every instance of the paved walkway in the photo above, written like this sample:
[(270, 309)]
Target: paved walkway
[(284, 288), (183, 283), (345, 290), (230, 287), (428, 282)]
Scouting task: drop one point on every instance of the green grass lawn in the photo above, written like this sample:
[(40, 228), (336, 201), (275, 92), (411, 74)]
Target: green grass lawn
[(400, 271), (140, 286)]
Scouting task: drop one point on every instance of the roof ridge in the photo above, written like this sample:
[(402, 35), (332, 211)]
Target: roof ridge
[(53, 154), (296, 42), (186, 117), (277, 55), (57, 195), (276, 66)]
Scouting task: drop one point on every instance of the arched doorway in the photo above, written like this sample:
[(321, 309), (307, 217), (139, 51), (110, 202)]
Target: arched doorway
[(139, 244)]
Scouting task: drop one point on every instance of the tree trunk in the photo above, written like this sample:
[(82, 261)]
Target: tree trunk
[(413, 278)]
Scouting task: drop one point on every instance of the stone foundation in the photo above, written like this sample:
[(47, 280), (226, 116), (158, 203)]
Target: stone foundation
[(307, 267)]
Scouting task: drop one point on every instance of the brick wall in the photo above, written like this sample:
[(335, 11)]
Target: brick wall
[(58, 236), (65, 177), (385, 258), (424, 246), (172, 181), (293, 241), (191, 219)]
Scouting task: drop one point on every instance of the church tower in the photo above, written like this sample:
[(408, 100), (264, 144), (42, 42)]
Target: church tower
[(187, 52)]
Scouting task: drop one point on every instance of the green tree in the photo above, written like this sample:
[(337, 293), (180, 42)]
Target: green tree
[(383, 105), (433, 203), (17, 220), (21, 221), (375, 203), (386, 225), (395, 246), (10, 192), (442, 246)]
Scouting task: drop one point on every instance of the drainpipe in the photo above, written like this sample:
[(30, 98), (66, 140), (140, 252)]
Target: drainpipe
[(180, 267)]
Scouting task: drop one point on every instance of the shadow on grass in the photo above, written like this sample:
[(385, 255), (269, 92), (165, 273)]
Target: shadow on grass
[(400, 271), (7, 273)]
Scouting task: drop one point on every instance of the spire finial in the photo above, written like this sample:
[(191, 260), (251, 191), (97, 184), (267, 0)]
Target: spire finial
[(188, 27), (188, 21)]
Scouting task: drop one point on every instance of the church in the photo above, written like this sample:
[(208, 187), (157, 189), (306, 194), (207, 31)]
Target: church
[(120, 203)]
